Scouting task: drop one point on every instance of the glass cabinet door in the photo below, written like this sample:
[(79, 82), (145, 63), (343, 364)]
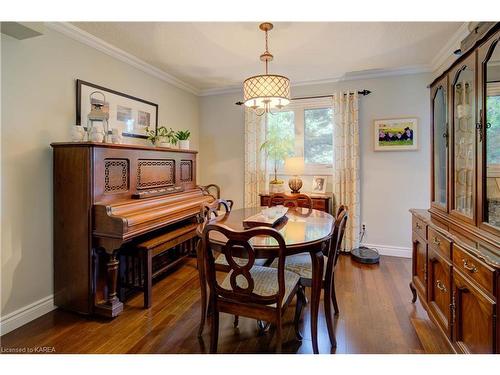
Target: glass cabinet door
[(464, 131), (491, 131), (440, 145)]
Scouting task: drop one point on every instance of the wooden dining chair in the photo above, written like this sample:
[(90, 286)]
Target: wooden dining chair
[(296, 200), (249, 290), (301, 265), (212, 212), (211, 189)]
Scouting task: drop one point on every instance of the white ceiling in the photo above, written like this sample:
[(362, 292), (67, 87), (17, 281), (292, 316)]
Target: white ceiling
[(216, 55)]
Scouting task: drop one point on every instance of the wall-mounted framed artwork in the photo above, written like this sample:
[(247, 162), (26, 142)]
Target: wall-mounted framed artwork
[(128, 113), (396, 134)]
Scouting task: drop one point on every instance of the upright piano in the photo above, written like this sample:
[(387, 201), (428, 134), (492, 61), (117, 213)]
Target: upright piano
[(107, 196)]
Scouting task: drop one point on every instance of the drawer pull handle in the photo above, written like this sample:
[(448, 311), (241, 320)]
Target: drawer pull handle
[(472, 268), (435, 241), (418, 225), (440, 286)]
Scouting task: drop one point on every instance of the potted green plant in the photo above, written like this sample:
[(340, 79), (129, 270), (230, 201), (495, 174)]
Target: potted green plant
[(277, 147), (183, 138), (162, 137), (166, 137)]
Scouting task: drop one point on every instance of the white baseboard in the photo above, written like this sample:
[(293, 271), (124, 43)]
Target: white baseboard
[(26, 314), (393, 251)]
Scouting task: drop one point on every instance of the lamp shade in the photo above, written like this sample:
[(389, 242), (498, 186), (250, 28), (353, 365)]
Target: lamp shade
[(266, 90), (294, 166)]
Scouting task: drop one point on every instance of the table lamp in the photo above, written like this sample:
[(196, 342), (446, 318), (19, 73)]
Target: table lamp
[(294, 166)]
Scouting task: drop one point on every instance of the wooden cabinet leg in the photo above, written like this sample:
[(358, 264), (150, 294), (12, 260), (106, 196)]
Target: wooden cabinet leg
[(414, 292)]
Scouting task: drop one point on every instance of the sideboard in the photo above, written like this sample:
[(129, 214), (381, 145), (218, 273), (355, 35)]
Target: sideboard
[(456, 243)]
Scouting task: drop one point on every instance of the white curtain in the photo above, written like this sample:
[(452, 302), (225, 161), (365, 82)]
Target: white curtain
[(346, 162), (256, 174)]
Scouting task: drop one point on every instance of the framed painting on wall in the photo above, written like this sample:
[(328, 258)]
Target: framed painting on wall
[(399, 134), (128, 113)]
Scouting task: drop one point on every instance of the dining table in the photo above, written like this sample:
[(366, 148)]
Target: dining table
[(304, 230)]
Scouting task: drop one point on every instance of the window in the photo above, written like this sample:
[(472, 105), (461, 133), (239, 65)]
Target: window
[(305, 128), (318, 136)]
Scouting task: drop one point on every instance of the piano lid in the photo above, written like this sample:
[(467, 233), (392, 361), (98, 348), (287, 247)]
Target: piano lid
[(128, 219)]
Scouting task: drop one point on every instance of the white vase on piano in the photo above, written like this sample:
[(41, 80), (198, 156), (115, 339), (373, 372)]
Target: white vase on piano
[(184, 144)]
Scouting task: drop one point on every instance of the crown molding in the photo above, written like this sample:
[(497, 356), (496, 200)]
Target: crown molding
[(368, 74), (222, 90), (84, 37), (451, 45)]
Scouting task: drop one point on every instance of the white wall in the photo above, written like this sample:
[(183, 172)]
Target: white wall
[(38, 102), (391, 182)]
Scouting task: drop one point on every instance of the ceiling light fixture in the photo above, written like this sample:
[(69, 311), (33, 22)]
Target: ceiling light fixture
[(265, 92)]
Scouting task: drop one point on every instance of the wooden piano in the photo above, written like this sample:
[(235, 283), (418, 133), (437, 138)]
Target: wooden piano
[(107, 196)]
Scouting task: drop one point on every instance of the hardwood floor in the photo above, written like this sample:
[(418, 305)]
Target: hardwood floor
[(376, 316)]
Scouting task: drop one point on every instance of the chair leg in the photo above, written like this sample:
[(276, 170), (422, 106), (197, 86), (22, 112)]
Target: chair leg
[(328, 314), (236, 321), (214, 332), (278, 333), (334, 296), (305, 301), (203, 290), (298, 312)]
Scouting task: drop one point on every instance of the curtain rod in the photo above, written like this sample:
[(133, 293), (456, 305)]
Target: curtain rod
[(362, 92)]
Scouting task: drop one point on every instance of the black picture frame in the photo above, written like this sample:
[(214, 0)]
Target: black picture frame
[(78, 120)]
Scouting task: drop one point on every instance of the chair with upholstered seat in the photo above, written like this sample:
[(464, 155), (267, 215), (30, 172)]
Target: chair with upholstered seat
[(248, 290), (301, 265), (212, 211)]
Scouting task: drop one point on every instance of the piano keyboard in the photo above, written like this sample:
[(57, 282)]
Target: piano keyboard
[(157, 192)]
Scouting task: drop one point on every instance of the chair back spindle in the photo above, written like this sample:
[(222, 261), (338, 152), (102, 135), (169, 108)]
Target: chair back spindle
[(337, 238), (209, 211), (296, 200)]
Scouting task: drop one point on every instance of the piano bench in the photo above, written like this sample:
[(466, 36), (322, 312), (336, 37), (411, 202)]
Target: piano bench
[(181, 238)]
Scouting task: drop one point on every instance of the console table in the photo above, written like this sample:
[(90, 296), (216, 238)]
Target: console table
[(320, 202)]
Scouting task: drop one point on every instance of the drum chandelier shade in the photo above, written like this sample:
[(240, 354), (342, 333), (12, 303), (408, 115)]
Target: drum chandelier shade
[(265, 92)]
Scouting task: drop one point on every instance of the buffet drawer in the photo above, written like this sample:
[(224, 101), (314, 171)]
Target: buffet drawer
[(473, 267), (419, 227), (439, 243), (319, 204)]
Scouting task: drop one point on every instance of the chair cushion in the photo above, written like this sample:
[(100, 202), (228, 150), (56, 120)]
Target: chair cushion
[(265, 281), (300, 264), (221, 259)]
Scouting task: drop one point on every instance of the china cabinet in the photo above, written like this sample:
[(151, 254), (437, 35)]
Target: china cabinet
[(456, 243)]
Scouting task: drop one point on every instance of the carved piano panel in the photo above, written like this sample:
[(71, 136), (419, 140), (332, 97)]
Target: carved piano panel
[(116, 175), (154, 173), (186, 170), (148, 168), (95, 214)]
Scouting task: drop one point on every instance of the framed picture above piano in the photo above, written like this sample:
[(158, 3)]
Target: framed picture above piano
[(128, 113)]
